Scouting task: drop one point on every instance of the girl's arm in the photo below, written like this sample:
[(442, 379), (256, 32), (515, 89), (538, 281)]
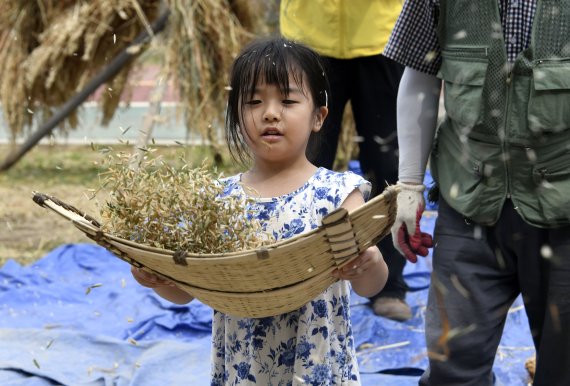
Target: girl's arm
[(368, 272), (163, 288)]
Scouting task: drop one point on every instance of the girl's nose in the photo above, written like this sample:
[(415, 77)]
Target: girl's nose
[(271, 114)]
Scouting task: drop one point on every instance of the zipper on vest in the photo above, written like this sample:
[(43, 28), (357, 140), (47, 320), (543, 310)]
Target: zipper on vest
[(503, 134)]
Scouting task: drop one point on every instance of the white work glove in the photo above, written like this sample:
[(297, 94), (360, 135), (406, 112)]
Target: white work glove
[(407, 237)]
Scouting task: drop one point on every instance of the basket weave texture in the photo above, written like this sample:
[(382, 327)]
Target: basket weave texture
[(268, 281)]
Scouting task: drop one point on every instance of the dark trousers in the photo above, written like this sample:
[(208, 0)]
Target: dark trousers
[(478, 271), (371, 85)]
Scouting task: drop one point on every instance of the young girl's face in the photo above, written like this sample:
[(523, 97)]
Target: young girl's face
[(277, 127)]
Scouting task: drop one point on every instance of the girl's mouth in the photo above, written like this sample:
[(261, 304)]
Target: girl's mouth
[(271, 133)]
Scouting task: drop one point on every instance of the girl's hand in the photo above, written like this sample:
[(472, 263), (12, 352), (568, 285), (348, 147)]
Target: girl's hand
[(149, 280), (367, 273), (358, 267), (164, 288)]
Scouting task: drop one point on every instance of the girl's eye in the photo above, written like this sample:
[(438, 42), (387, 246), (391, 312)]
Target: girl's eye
[(253, 102), (288, 102)]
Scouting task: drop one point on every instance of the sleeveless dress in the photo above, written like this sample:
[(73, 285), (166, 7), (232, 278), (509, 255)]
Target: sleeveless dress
[(313, 345)]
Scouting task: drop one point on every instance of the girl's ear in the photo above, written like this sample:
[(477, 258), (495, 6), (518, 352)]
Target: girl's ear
[(320, 118)]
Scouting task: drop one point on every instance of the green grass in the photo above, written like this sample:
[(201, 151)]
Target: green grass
[(80, 165), (48, 166)]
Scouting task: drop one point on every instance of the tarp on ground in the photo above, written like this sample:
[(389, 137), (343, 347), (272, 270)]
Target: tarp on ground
[(76, 317)]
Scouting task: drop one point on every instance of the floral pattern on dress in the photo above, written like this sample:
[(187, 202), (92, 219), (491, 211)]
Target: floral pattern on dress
[(313, 345)]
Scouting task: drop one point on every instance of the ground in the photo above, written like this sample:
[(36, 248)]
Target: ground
[(27, 231)]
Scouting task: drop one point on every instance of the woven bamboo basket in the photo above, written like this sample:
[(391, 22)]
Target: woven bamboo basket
[(267, 281)]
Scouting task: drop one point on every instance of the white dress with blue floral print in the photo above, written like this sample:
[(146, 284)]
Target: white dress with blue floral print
[(313, 345)]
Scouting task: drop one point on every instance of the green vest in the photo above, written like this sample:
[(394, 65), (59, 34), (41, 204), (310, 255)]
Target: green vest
[(506, 133)]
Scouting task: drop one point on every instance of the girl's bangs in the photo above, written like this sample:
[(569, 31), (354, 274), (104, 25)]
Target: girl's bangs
[(271, 68)]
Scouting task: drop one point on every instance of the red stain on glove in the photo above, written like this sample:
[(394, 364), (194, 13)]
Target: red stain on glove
[(416, 243)]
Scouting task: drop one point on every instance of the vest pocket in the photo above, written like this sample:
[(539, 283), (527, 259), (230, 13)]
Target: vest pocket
[(468, 178), (549, 101), (463, 72), (552, 179)]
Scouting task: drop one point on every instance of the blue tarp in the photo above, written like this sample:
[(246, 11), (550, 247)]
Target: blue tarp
[(76, 317)]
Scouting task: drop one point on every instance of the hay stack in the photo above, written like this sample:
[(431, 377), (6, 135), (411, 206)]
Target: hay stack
[(51, 49), (200, 43)]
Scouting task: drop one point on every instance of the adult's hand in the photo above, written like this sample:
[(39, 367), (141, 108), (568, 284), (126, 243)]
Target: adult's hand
[(407, 236)]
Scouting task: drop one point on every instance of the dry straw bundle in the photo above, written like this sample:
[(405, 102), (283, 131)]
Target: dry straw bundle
[(173, 206), (51, 49), (202, 39)]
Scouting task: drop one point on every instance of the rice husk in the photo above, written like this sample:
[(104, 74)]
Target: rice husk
[(174, 206)]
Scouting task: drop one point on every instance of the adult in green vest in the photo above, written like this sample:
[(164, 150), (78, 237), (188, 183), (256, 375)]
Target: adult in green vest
[(351, 35), (501, 161)]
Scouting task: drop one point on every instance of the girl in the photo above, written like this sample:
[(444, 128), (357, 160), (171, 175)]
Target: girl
[(278, 97)]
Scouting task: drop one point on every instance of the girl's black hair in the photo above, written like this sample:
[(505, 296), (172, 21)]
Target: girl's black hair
[(272, 61)]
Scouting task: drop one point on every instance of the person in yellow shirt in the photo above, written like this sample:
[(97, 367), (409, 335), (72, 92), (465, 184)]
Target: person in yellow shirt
[(351, 36)]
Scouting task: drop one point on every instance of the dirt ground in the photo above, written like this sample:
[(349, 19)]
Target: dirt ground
[(28, 231)]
